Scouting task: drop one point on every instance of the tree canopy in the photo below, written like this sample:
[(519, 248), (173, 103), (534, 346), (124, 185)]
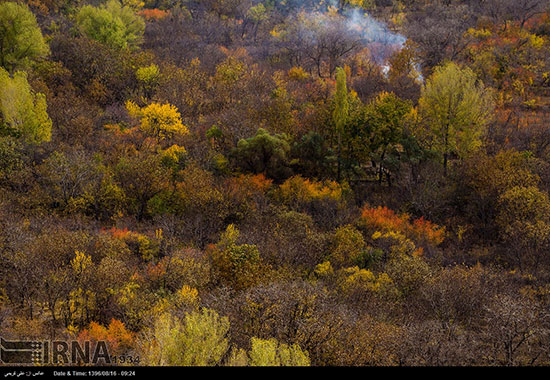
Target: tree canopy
[(456, 108), (112, 23), (21, 40), (23, 112)]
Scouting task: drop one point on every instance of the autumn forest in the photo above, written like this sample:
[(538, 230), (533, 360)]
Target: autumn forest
[(278, 182)]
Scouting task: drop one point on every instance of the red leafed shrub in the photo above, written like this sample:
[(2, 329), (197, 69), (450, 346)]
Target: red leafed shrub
[(384, 219), (154, 14)]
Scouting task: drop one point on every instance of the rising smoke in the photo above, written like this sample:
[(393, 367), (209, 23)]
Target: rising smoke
[(369, 32), (358, 26)]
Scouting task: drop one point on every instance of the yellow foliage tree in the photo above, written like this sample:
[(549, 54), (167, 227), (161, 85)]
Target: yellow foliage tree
[(200, 339), (347, 246), (298, 190), (162, 121)]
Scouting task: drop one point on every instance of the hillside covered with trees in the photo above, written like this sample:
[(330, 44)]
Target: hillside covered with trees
[(278, 182)]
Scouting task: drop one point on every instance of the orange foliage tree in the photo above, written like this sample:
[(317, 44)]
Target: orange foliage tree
[(383, 219), (117, 337)]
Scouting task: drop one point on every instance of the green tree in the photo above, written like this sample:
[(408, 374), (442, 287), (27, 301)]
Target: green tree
[(264, 153), (270, 352), (378, 133), (22, 111), (200, 339), (311, 155), (257, 14), (456, 108), (149, 77), (113, 24), (340, 113), (21, 40)]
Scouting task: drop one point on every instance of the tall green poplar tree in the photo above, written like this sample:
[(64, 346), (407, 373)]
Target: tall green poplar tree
[(341, 110)]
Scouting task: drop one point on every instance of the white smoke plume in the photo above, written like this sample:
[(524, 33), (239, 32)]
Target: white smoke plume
[(357, 24), (379, 39), (371, 30)]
